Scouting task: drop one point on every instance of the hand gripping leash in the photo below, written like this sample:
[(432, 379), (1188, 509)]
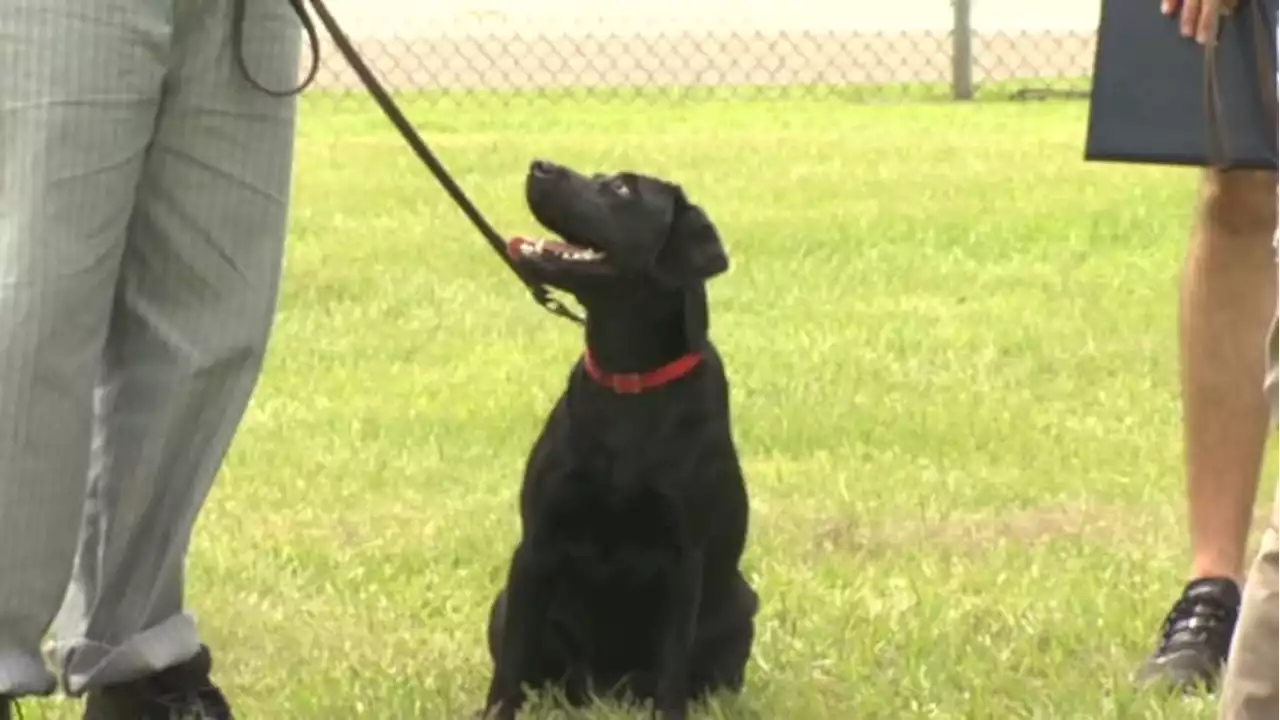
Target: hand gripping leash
[(540, 293)]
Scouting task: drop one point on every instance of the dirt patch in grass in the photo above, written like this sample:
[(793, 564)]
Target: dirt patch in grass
[(974, 533)]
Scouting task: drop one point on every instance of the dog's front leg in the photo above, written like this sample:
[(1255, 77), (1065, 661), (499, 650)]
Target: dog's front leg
[(675, 655), (526, 610)]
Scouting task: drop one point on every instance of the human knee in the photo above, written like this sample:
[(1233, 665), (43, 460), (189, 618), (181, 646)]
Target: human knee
[(1239, 205), (226, 332), (241, 344)]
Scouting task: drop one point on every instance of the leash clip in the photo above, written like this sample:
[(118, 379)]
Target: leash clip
[(554, 306)]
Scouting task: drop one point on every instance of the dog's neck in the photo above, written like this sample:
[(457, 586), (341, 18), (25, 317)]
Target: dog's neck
[(622, 341)]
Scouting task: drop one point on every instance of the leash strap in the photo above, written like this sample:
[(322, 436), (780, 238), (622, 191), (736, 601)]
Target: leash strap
[(540, 293)]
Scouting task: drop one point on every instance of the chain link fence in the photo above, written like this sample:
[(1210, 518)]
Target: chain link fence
[(668, 49)]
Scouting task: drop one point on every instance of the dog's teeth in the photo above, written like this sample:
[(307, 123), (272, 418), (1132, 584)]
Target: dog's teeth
[(580, 255), (539, 245), (585, 255)]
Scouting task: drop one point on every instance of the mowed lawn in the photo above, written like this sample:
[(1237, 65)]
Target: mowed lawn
[(951, 344)]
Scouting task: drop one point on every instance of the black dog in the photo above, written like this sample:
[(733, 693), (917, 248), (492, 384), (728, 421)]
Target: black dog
[(625, 582)]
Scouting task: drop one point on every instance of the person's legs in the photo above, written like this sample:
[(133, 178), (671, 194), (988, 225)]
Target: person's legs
[(1251, 683), (1228, 301), (78, 95), (197, 294)]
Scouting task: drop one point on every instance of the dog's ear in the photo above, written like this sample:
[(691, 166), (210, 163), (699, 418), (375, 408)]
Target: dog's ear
[(692, 252)]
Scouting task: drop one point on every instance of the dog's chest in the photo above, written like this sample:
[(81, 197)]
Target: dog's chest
[(607, 535)]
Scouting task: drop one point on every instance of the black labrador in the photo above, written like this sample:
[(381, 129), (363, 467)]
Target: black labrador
[(626, 581)]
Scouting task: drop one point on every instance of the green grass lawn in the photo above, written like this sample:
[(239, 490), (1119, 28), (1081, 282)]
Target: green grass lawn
[(951, 345)]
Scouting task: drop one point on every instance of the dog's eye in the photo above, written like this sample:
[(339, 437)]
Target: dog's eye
[(620, 187)]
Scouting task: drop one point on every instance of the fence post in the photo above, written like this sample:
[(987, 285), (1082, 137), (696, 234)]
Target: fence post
[(961, 50)]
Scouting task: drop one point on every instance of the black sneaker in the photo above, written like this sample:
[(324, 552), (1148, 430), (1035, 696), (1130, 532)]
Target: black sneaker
[(1196, 637), (182, 691)]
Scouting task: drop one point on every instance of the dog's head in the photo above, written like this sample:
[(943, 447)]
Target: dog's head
[(622, 238)]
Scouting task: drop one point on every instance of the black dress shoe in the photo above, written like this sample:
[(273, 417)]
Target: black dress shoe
[(181, 692)]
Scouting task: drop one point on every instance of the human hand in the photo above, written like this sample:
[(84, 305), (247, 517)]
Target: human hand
[(1198, 18)]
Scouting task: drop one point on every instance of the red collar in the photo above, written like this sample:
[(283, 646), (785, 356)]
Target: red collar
[(636, 383)]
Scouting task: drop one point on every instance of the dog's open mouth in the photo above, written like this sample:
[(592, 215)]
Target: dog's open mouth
[(521, 248)]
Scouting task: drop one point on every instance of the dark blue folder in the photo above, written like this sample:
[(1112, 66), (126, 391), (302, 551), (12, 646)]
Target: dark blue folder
[(1148, 103)]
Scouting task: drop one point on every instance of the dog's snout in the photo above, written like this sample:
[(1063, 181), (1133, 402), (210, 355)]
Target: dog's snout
[(542, 168)]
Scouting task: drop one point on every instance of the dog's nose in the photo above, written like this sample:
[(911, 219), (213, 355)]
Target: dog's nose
[(542, 168)]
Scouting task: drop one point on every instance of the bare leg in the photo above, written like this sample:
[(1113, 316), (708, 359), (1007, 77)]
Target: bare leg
[(1228, 300)]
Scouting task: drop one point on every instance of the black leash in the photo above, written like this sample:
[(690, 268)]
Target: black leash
[(540, 293)]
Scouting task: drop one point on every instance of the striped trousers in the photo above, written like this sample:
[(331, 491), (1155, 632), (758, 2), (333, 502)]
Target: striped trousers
[(143, 198)]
